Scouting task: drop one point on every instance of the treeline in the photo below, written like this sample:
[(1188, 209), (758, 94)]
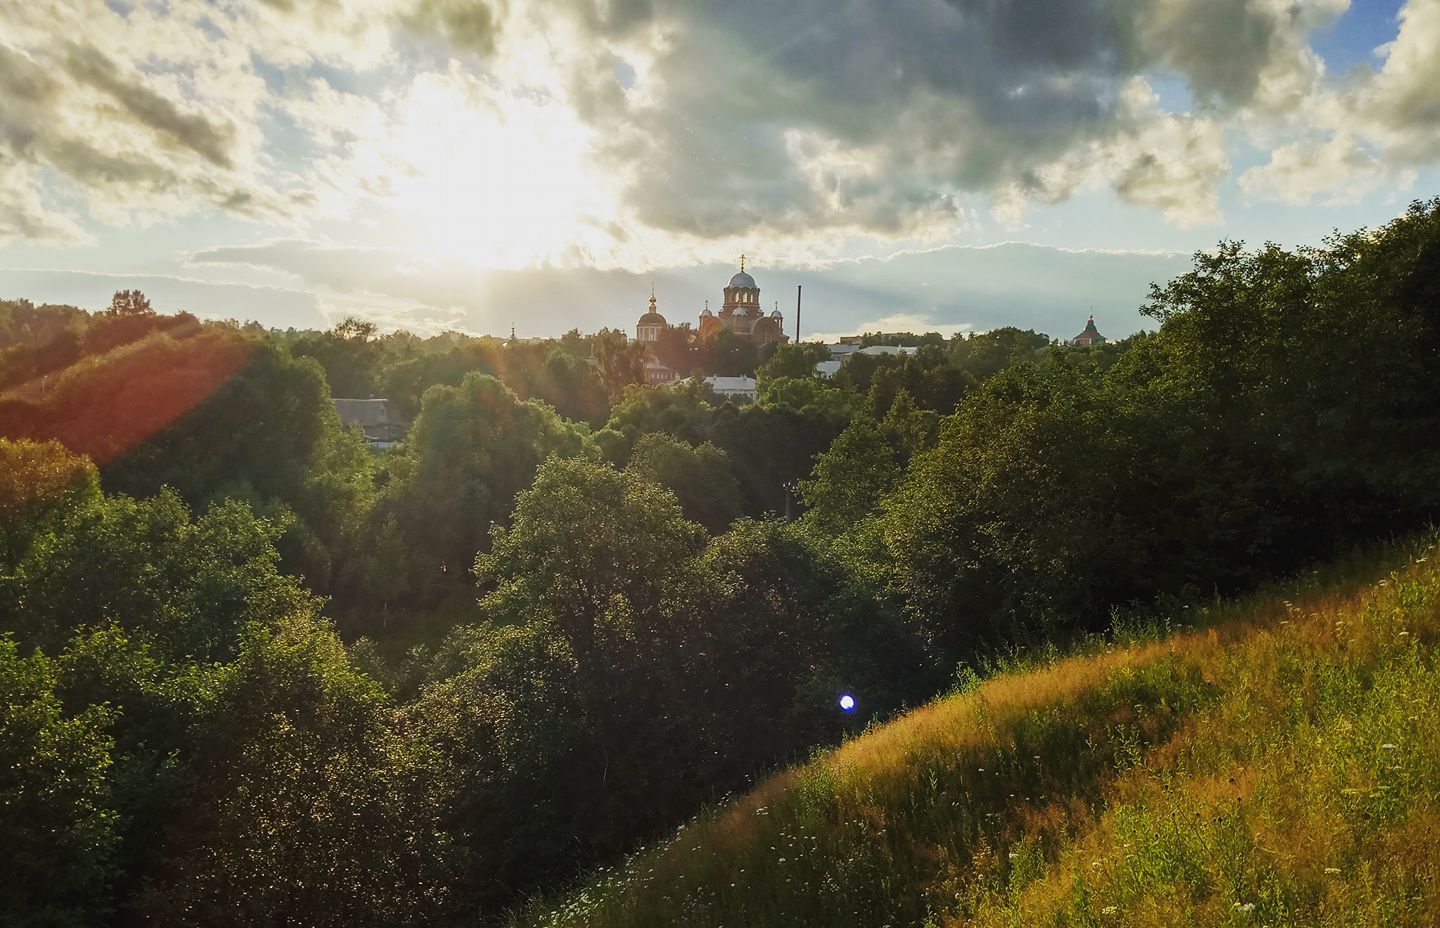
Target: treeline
[(570, 622)]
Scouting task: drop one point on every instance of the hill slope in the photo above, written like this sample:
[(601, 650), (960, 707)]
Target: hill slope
[(1278, 765)]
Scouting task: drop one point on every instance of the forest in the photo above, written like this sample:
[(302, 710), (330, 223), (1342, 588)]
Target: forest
[(256, 672)]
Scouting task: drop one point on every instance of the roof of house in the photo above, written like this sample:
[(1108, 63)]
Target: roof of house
[(731, 384), (1090, 330), (364, 413)]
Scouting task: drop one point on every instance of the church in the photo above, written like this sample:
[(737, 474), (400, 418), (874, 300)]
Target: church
[(740, 315)]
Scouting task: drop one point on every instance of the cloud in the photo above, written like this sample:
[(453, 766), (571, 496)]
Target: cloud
[(896, 322), (1341, 170), (1340, 142), (1400, 106), (682, 127), (871, 117), (210, 140), (24, 217)]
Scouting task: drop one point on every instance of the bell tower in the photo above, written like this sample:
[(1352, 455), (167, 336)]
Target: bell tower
[(741, 295)]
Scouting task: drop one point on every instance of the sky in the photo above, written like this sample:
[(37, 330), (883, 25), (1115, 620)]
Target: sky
[(949, 165)]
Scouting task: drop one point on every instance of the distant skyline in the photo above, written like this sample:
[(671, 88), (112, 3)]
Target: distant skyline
[(434, 164)]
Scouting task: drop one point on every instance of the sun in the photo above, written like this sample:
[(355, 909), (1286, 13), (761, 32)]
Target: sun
[(494, 179)]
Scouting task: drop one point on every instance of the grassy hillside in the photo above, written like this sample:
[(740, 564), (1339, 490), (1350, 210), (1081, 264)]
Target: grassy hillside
[(1275, 762)]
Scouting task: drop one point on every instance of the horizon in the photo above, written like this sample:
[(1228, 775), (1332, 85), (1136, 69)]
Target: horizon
[(449, 166)]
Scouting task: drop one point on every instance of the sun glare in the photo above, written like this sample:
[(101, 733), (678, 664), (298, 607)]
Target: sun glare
[(495, 180)]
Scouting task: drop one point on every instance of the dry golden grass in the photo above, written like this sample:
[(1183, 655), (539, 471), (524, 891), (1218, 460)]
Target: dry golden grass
[(1277, 765)]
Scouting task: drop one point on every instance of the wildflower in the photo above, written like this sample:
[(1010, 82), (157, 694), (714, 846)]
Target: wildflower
[(1244, 906), (1387, 746), (1332, 869), (1109, 910), (1095, 865)]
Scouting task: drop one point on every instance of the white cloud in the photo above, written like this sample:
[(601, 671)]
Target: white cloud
[(1341, 170), (24, 216), (896, 322)]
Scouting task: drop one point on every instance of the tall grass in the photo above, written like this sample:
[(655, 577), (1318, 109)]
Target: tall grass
[(1275, 762)]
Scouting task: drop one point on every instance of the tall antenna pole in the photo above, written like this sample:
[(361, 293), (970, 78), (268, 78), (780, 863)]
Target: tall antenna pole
[(797, 314)]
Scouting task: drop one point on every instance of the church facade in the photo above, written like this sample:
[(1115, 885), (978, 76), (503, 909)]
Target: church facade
[(740, 314)]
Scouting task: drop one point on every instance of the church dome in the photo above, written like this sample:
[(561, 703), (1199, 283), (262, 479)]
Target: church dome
[(743, 279), (652, 317), (706, 312), (776, 315)]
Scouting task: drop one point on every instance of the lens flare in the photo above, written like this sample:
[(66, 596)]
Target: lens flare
[(847, 703)]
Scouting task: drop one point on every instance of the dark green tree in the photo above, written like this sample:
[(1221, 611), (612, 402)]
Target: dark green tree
[(590, 549), (57, 833), (129, 303), (301, 808), (472, 449), (700, 477), (794, 360)]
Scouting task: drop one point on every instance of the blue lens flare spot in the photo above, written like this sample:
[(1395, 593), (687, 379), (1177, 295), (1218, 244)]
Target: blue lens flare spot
[(847, 703)]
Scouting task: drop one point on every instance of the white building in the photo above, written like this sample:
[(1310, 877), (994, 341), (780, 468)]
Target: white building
[(741, 389), (844, 351)]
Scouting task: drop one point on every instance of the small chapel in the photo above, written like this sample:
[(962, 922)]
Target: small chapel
[(1090, 336)]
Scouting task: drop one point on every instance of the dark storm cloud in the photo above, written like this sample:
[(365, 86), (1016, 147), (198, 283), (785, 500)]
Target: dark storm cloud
[(211, 140), (29, 96), (933, 97), (465, 23)]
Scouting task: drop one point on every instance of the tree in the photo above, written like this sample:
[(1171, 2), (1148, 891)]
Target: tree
[(473, 447), (985, 354), (573, 386), (300, 809), (512, 755), (184, 585), (700, 477), (57, 835), (153, 708), (40, 482), (351, 329), (129, 303), (685, 411), (794, 360), (588, 546), (676, 349), (773, 446), (786, 627), (621, 361), (726, 354), (349, 354)]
